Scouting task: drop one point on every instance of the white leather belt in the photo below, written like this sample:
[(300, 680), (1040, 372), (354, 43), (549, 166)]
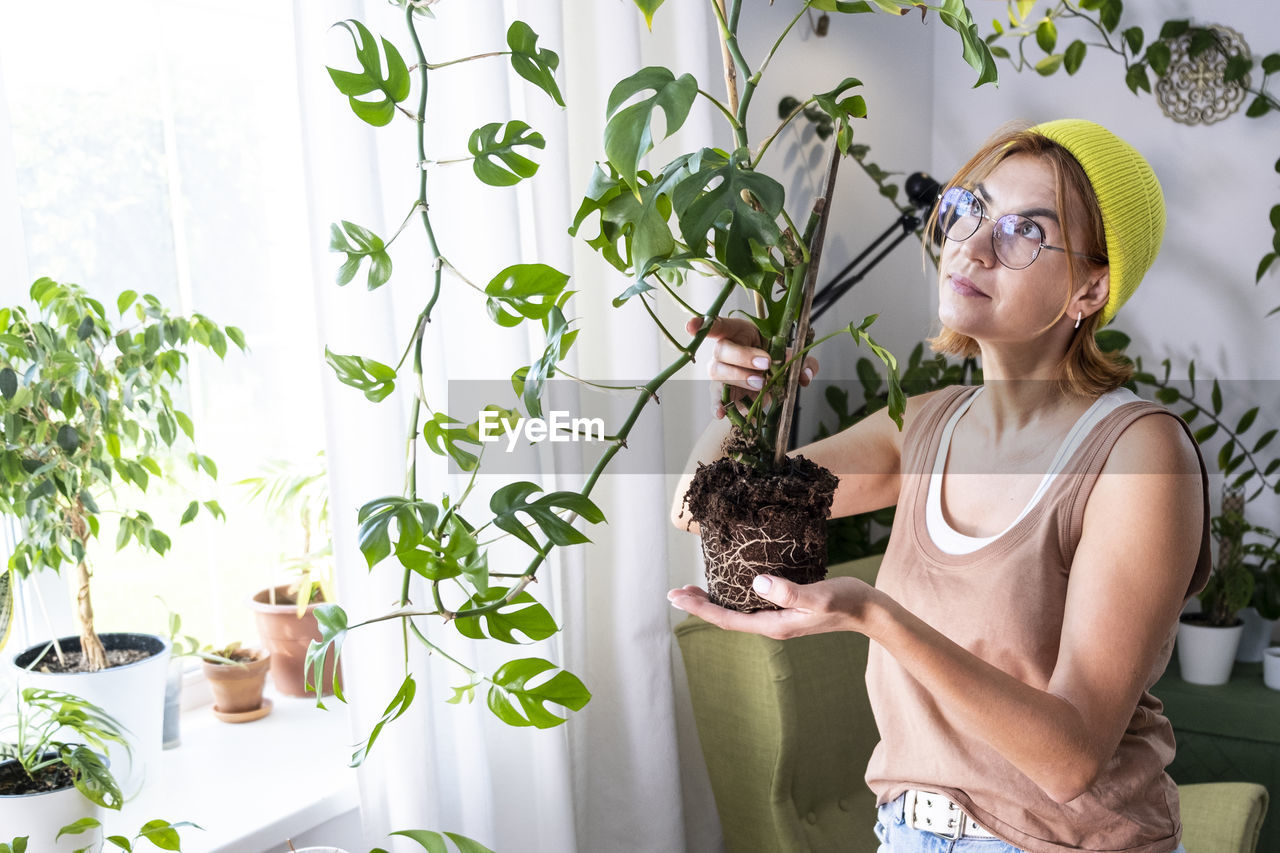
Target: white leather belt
[(930, 812)]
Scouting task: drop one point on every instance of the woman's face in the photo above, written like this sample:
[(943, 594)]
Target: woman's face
[(985, 300)]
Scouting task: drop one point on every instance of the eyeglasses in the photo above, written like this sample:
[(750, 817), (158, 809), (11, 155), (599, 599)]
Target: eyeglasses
[(1015, 239)]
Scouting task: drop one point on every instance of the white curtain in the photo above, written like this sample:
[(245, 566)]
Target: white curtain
[(625, 774)]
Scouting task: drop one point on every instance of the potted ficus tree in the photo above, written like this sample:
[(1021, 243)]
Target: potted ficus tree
[(712, 211), (87, 415)]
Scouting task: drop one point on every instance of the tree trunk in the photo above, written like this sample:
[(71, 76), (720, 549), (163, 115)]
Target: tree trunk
[(95, 656)]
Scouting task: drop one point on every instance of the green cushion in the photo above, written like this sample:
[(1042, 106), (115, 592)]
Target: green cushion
[(1222, 817)]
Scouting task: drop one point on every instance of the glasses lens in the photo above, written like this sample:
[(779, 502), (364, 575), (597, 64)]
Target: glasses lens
[(959, 214), (1017, 241)]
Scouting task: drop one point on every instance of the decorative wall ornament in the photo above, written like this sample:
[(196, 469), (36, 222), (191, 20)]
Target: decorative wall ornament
[(1193, 91)]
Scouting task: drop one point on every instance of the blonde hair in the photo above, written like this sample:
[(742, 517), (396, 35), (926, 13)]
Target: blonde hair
[(1085, 369)]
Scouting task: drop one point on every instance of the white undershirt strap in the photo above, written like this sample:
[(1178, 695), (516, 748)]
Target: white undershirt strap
[(951, 541)]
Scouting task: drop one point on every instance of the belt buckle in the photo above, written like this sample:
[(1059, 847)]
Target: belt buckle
[(955, 827)]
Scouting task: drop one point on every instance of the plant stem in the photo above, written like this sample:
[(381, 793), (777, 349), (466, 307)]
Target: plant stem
[(769, 58), (652, 316), (422, 61), (728, 113), (764, 146), (647, 393)]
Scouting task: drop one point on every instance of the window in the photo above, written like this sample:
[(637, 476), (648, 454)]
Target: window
[(156, 146)]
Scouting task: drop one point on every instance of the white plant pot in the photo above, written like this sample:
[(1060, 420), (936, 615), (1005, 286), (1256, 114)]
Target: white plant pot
[(1205, 654), (1271, 668), (133, 694), (1256, 636), (40, 816)]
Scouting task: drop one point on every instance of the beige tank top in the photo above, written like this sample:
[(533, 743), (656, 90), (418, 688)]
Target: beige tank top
[(1004, 602)]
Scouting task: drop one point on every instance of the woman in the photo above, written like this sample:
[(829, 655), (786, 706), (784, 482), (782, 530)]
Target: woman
[(1050, 525)]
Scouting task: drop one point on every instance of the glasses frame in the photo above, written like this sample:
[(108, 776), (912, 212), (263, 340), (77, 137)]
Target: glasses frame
[(995, 223)]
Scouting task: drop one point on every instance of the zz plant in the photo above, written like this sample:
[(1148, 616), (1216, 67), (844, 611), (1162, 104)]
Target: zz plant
[(710, 211), (87, 406)]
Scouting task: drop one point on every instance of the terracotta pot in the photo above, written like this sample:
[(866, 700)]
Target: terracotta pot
[(237, 690), (287, 637)]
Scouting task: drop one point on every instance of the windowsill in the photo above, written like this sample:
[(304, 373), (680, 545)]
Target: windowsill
[(251, 786)]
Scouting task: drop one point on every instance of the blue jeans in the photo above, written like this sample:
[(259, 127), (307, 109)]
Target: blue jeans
[(897, 837)]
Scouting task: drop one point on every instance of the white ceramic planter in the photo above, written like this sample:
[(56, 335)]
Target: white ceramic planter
[(1271, 667), (133, 694), (1256, 636), (1205, 654), (40, 816)]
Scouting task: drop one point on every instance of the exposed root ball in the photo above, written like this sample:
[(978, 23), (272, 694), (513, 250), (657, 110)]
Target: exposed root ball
[(754, 523)]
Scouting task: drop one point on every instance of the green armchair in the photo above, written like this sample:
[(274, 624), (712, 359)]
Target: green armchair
[(786, 731)]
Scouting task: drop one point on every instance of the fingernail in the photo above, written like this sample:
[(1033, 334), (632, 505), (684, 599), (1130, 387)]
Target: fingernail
[(760, 362), (762, 584), (808, 374), (755, 381)]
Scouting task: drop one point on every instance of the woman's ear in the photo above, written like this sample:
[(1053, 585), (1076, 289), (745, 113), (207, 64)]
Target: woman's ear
[(1093, 296)]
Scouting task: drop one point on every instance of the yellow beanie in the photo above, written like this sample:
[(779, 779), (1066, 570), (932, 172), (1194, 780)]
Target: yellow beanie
[(1128, 194)]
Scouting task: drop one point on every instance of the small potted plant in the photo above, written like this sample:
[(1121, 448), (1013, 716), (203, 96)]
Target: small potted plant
[(53, 770), (1207, 641), (285, 612), (237, 677), (87, 411), (1262, 557)]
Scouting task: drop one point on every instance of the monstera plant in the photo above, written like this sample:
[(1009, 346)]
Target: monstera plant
[(711, 212)]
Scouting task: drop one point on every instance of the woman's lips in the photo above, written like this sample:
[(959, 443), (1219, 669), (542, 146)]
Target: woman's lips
[(964, 286)]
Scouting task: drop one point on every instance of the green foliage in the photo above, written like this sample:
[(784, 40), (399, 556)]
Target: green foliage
[(160, 834), (36, 737), (1230, 585), (485, 145), (434, 842), (393, 84), (86, 407), (359, 243)]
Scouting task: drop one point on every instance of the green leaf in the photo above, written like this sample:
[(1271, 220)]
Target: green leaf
[(1109, 14), (536, 66), (92, 778), (394, 84), (162, 834), (516, 703), (1074, 56), (1258, 107), (485, 145), (444, 438), (1202, 39), (955, 14), (358, 243), (1205, 433), (125, 299), (633, 230), (525, 614), (1047, 35), (1271, 63), (332, 620), (530, 290), (846, 6), (1216, 398), (740, 205), (841, 110), (374, 378), (648, 7), (1174, 29), (1133, 38), (427, 839), (559, 341), (1136, 78), (237, 337), (1158, 57), (189, 515), (1049, 64), (82, 825), (1236, 69), (1265, 440), (509, 501), (1246, 420), (8, 383), (394, 710), (628, 134)]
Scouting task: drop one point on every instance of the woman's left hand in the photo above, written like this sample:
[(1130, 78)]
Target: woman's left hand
[(835, 604)]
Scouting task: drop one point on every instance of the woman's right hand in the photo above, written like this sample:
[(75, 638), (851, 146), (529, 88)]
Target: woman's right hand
[(738, 360)]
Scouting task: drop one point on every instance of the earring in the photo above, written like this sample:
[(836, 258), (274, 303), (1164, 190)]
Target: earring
[(1079, 317)]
